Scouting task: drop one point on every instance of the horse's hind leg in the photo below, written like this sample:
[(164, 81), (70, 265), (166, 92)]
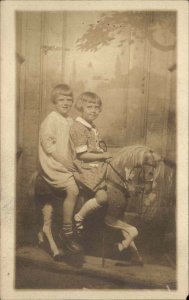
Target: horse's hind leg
[(41, 236), (47, 230)]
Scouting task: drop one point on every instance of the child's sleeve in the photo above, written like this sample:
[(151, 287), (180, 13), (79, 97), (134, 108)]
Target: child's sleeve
[(79, 138), (47, 136)]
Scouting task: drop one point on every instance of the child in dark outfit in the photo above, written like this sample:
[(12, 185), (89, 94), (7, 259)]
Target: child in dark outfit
[(88, 158)]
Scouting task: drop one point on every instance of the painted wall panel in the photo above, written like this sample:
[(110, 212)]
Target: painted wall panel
[(31, 97), (52, 55), (136, 93)]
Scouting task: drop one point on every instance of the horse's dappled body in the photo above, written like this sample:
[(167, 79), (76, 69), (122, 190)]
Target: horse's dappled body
[(132, 170)]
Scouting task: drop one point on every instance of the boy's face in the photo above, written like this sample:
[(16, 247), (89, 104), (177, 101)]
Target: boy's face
[(90, 111), (63, 104)]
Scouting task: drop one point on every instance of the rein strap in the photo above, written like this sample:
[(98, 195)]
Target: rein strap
[(124, 180)]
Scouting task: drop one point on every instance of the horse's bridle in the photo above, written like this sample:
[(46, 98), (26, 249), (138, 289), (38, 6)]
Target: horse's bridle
[(125, 181)]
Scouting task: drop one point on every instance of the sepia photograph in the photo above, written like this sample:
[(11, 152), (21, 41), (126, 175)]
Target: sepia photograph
[(99, 142)]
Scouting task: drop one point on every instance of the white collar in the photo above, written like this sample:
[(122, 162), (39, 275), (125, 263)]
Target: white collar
[(84, 122)]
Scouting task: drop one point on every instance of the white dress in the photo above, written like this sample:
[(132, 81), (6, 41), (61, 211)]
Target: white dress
[(53, 138)]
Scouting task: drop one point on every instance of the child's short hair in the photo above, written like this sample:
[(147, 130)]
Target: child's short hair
[(88, 97), (61, 89)]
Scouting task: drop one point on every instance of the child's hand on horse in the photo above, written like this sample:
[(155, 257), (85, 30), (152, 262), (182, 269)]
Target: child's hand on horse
[(107, 156)]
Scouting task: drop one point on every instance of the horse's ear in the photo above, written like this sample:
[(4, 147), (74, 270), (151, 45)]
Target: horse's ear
[(150, 157), (157, 157), (147, 155)]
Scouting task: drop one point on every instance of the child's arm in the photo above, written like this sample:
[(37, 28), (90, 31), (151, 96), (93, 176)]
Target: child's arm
[(47, 135), (48, 140), (58, 157), (89, 156), (79, 138)]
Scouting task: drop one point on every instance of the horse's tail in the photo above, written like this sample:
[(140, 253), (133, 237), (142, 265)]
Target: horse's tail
[(31, 189)]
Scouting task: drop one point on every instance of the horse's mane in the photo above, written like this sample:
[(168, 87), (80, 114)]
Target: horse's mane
[(129, 156)]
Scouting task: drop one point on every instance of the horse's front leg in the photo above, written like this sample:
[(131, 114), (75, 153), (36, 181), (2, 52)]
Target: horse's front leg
[(47, 211), (135, 253), (129, 233)]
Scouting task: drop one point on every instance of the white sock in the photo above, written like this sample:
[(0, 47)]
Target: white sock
[(90, 206)]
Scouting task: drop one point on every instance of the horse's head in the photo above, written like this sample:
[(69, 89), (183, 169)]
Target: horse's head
[(140, 170), (151, 158), (153, 168), (141, 178)]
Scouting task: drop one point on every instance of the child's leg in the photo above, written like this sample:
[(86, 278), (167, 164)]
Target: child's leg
[(90, 206), (69, 203), (67, 229)]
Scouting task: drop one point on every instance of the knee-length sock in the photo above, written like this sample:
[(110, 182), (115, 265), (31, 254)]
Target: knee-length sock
[(89, 207)]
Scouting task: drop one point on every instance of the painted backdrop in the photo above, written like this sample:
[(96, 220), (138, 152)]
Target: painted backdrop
[(128, 58)]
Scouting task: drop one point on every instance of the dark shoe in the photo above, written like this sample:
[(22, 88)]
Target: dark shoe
[(70, 244)]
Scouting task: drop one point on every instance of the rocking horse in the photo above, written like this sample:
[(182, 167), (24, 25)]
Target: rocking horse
[(134, 170)]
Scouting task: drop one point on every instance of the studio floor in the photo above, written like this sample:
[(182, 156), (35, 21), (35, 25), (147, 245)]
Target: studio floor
[(35, 269)]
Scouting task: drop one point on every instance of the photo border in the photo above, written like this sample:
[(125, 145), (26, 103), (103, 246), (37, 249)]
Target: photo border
[(8, 148)]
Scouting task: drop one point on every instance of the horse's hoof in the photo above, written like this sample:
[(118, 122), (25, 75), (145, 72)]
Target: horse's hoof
[(57, 257), (138, 262), (41, 237), (42, 245), (141, 263)]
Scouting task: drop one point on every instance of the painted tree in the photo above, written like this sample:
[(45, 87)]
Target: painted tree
[(113, 26)]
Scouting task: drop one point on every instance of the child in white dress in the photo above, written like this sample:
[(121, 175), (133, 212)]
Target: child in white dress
[(54, 164)]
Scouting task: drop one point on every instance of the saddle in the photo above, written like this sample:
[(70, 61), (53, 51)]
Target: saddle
[(42, 188)]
